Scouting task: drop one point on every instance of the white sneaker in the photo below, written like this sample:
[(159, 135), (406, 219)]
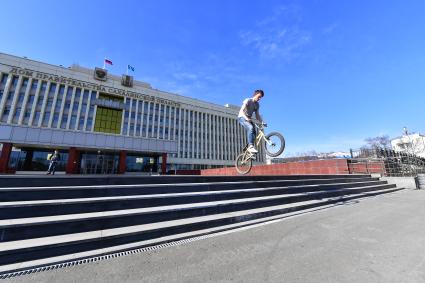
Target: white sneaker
[(252, 149)]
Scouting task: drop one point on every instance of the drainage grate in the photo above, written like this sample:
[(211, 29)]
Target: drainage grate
[(104, 257)]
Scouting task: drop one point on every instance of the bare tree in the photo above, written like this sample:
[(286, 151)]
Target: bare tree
[(379, 142)]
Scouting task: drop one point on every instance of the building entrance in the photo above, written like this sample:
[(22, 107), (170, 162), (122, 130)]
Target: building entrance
[(100, 163)]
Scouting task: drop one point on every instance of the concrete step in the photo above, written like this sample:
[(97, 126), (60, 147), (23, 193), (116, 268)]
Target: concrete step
[(41, 208), (28, 228), (8, 181), (68, 191), (21, 254)]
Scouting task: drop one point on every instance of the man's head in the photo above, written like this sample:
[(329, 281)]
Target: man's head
[(258, 94), (56, 151)]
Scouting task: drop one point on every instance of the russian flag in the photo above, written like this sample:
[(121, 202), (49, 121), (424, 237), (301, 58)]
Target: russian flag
[(107, 61)]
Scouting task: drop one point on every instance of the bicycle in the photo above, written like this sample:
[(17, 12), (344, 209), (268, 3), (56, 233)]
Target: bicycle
[(274, 144)]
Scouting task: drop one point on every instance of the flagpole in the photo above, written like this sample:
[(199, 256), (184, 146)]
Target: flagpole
[(127, 71), (104, 66)]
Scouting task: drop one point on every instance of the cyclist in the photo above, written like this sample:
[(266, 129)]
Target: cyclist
[(249, 106)]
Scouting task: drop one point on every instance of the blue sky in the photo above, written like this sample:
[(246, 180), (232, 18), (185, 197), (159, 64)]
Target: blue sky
[(334, 72)]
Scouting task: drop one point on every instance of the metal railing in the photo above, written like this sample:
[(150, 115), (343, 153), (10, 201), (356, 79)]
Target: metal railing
[(390, 162)]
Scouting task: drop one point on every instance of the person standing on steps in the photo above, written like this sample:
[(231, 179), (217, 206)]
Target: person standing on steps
[(54, 158), (249, 106)]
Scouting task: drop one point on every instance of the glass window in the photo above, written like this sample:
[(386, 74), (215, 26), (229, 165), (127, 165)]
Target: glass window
[(36, 118), (46, 119), (41, 94), (89, 124), (69, 94), (64, 121), (5, 115), (108, 120), (27, 114), (55, 120), (16, 115), (81, 124), (93, 95)]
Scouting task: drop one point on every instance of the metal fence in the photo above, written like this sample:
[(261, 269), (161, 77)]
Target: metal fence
[(390, 162)]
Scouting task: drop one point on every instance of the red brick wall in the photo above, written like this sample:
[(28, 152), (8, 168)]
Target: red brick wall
[(367, 167), (329, 166)]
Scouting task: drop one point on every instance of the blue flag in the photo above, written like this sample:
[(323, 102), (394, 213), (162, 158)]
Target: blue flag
[(131, 68)]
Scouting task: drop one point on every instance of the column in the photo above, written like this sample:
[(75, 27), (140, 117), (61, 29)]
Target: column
[(43, 106), (24, 103), (164, 164), (153, 120), (34, 108), (122, 162), (72, 167), (147, 120), (210, 140), (52, 114), (184, 132), (71, 109), (226, 139), (158, 125), (141, 118), (178, 131), (175, 121), (193, 135), (5, 156), (165, 122), (14, 101), (129, 116), (5, 93), (136, 114)]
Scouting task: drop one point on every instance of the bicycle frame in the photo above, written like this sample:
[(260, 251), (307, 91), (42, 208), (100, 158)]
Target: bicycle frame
[(260, 136)]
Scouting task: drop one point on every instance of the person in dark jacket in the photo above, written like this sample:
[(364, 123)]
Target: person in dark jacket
[(54, 158)]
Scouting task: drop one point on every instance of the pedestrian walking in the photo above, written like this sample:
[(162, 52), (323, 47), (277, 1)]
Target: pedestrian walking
[(54, 158)]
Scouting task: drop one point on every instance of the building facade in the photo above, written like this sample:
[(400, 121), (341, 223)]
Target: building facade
[(102, 123)]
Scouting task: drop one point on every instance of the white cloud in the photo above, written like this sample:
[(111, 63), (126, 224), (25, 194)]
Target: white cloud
[(278, 36), (330, 28)]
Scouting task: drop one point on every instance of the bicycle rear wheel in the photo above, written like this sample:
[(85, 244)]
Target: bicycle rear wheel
[(274, 144), (243, 163)]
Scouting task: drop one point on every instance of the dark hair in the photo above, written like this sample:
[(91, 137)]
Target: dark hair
[(259, 91)]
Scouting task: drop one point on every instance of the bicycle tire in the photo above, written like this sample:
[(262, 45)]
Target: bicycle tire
[(282, 144), (243, 169)]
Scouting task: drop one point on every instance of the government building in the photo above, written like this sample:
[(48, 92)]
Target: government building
[(107, 124)]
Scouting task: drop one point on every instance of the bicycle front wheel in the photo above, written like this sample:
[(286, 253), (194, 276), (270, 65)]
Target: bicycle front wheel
[(243, 163), (274, 144)]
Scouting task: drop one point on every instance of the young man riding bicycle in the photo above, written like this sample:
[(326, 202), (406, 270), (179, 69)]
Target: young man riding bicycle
[(249, 106)]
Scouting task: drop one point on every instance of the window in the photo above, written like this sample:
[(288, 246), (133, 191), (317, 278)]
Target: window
[(89, 124), (16, 115), (46, 119), (108, 120), (73, 122), (36, 118), (6, 112), (55, 120), (64, 121), (41, 95)]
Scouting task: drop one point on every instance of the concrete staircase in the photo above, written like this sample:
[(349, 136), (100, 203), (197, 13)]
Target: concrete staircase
[(49, 220)]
